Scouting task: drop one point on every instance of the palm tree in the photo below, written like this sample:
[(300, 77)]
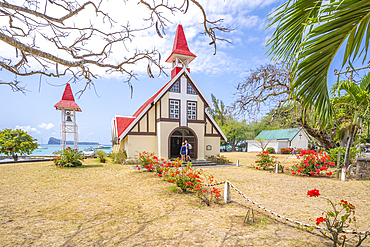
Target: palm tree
[(308, 36), (355, 101)]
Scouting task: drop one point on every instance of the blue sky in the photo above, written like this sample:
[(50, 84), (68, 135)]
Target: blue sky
[(219, 74)]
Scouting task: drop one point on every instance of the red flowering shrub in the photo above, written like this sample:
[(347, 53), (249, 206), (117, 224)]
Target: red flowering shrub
[(187, 178), (286, 150), (68, 158), (265, 160), (313, 163), (336, 220)]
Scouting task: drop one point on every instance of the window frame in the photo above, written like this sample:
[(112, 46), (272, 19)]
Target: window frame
[(187, 110), (169, 109)]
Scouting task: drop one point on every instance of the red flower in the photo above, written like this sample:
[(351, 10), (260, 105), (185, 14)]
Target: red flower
[(138, 168), (313, 193), (256, 161), (189, 183), (329, 173), (257, 167), (319, 220)]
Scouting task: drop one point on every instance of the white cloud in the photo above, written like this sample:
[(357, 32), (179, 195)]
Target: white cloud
[(46, 126), (28, 129)]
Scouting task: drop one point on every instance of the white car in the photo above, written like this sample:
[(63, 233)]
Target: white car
[(89, 152)]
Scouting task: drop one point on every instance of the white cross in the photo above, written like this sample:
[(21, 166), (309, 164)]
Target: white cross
[(183, 97)]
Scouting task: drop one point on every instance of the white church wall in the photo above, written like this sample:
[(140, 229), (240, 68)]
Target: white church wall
[(300, 141), (199, 131), (164, 130), (151, 115), (143, 124), (140, 143), (164, 106), (214, 142), (200, 109)]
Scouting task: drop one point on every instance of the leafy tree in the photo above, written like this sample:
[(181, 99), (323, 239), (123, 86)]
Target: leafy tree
[(354, 103), (17, 141), (308, 35), (235, 132), (219, 111), (76, 39)]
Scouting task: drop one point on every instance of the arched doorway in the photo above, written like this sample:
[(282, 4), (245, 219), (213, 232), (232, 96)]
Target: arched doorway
[(177, 137)]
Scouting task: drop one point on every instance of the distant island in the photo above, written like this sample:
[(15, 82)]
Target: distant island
[(53, 140)]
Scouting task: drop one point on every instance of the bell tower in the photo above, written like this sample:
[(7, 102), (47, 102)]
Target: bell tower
[(181, 55), (68, 107)]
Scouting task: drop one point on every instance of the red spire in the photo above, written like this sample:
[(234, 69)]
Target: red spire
[(180, 46), (68, 101)]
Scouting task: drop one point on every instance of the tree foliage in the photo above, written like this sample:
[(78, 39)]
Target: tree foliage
[(354, 105), (77, 39), (308, 35), (17, 141), (235, 130)]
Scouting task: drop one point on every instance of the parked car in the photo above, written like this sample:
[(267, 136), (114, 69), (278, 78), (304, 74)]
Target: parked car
[(89, 152)]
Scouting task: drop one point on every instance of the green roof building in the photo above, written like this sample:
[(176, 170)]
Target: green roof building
[(278, 139)]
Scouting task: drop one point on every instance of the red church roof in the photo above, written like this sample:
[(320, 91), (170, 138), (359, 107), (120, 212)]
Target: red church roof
[(68, 101), (180, 46), (124, 122)]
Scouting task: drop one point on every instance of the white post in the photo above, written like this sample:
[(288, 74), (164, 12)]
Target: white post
[(277, 168), (344, 173), (227, 195), (237, 163)]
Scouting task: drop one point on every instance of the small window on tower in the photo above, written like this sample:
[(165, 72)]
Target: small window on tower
[(175, 88), (190, 89)]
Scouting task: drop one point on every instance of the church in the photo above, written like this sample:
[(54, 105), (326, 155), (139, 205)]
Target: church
[(177, 112)]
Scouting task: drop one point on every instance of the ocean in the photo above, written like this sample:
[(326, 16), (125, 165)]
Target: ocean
[(48, 149)]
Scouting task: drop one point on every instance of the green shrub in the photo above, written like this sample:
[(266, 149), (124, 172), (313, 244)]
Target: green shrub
[(333, 153), (271, 150), (218, 159), (119, 157), (101, 155)]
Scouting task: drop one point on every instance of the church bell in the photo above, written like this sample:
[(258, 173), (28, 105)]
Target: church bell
[(68, 117)]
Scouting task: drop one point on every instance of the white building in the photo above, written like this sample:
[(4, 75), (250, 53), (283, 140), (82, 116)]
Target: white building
[(278, 139)]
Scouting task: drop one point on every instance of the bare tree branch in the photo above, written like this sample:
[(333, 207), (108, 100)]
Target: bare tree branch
[(267, 86), (55, 44)]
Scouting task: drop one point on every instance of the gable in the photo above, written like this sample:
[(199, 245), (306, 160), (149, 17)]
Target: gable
[(155, 98)]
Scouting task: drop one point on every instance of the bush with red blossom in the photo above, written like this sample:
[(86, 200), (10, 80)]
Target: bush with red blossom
[(313, 164)]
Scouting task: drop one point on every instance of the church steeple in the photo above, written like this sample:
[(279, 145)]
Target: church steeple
[(181, 55)]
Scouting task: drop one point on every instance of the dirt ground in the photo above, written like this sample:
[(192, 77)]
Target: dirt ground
[(112, 205)]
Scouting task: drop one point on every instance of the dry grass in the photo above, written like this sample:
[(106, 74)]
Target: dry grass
[(111, 205)]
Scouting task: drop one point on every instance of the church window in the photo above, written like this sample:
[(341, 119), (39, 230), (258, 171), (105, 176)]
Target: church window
[(192, 110), (190, 89), (174, 109), (176, 87)]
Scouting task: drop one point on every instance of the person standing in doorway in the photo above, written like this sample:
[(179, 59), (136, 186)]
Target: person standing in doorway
[(188, 147), (183, 152)]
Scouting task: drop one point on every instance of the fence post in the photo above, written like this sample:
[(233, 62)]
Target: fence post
[(344, 173), (277, 168), (338, 164), (237, 163), (227, 195)]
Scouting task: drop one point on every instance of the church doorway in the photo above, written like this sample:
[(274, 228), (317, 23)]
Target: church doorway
[(177, 137)]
